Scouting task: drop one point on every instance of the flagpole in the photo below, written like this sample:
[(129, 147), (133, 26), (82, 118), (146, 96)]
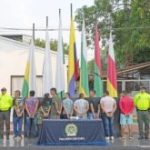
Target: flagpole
[(71, 9), (33, 32), (59, 12), (47, 22)]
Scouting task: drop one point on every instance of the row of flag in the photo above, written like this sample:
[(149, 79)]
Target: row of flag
[(73, 73)]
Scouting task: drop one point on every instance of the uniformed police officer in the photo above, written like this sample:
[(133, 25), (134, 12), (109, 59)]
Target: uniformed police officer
[(6, 102), (142, 103)]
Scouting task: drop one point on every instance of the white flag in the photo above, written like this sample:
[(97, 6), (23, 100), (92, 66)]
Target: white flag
[(60, 79), (47, 67)]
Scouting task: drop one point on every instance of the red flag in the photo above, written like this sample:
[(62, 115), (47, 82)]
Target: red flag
[(98, 84), (76, 71), (111, 70)]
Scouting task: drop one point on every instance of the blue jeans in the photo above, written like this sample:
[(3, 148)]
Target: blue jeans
[(31, 127), (39, 128), (108, 125), (90, 116), (17, 123)]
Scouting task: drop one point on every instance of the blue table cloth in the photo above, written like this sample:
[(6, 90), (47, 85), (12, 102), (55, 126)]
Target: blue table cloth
[(72, 132)]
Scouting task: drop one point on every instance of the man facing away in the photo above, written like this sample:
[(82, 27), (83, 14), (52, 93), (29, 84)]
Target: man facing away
[(56, 104), (6, 102), (108, 105), (67, 107), (142, 104), (81, 107), (94, 111), (126, 106), (31, 106)]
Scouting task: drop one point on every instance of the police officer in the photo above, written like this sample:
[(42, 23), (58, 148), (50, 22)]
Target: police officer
[(142, 104), (6, 102)]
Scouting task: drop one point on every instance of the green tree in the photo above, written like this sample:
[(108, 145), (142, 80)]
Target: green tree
[(104, 60), (53, 45), (130, 21)]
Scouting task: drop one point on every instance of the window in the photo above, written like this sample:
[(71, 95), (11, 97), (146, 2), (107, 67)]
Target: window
[(17, 83)]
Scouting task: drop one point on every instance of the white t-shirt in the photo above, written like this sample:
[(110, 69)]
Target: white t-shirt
[(108, 103), (81, 105)]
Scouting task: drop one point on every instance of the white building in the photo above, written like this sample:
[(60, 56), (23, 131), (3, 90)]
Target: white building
[(13, 58)]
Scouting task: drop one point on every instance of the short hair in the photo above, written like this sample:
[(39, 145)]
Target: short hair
[(32, 93), (81, 95), (68, 93), (142, 88), (106, 92), (53, 89), (46, 95), (18, 91), (93, 91), (3, 89)]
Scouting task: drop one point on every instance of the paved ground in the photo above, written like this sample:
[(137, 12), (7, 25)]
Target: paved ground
[(118, 144)]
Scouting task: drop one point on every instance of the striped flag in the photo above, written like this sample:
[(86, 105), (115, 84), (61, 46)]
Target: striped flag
[(111, 70), (84, 84), (30, 73), (98, 83), (60, 79), (73, 66), (47, 67)]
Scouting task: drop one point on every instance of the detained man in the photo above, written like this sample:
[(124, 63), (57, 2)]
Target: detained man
[(94, 111), (126, 106), (55, 105), (31, 106), (67, 107), (108, 105), (81, 107), (18, 115)]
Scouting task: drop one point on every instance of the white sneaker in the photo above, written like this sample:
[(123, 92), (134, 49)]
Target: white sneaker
[(112, 138), (15, 137), (107, 138)]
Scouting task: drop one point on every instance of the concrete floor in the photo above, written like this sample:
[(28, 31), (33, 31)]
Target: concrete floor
[(118, 144)]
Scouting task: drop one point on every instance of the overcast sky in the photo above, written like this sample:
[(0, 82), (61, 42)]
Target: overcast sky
[(22, 13)]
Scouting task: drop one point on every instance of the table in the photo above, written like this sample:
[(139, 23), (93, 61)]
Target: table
[(72, 132)]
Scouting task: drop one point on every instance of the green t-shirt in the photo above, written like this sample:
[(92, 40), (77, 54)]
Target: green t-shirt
[(55, 102)]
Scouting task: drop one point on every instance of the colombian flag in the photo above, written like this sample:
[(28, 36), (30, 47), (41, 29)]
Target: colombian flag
[(111, 70), (29, 82), (73, 64), (25, 88)]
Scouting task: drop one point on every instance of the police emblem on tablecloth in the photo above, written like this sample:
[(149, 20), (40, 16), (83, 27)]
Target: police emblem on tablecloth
[(71, 129)]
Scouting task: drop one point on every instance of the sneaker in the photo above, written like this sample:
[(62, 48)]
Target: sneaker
[(112, 138), (131, 137), (146, 138), (107, 138), (19, 137), (140, 138), (15, 137), (123, 138)]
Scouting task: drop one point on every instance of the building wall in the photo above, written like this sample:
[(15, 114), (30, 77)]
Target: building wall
[(13, 58)]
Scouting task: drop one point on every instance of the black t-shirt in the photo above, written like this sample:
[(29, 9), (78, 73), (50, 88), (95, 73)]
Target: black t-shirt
[(46, 103), (95, 101)]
